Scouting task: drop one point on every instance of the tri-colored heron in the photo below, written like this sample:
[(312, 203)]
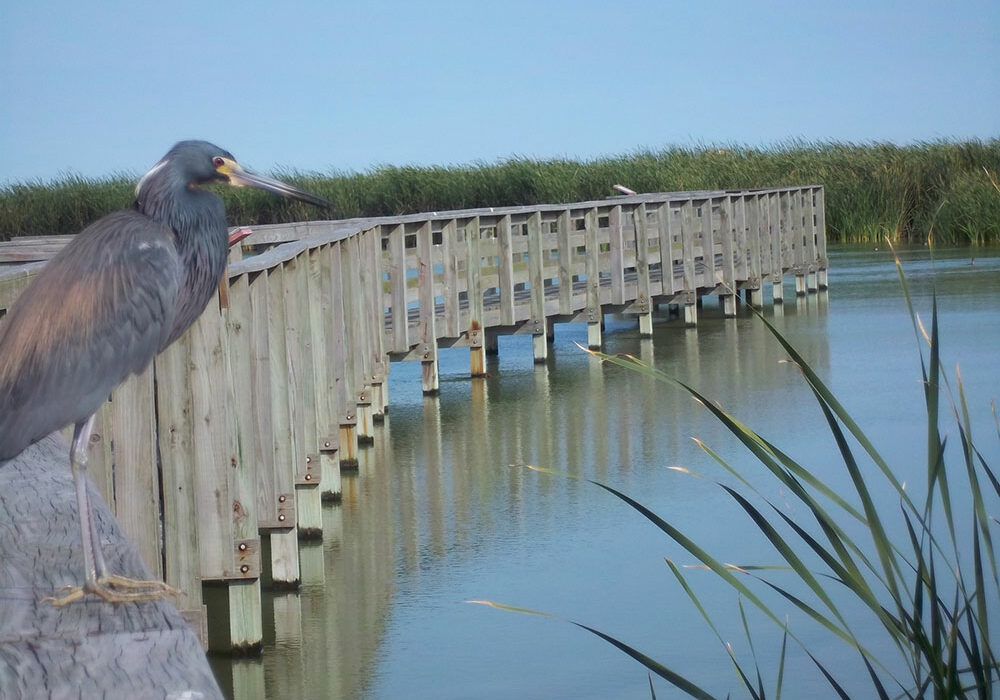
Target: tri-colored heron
[(121, 291)]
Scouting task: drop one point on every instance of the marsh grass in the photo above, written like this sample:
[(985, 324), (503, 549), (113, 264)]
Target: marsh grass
[(873, 190), (934, 590)]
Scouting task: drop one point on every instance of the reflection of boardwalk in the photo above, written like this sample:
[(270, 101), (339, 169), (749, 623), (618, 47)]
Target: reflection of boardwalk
[(243, 425)]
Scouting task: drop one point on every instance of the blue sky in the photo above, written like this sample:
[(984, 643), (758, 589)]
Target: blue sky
[(106, 87)]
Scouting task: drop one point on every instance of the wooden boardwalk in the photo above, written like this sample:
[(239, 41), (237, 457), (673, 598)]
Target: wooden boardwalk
[(239, 430)]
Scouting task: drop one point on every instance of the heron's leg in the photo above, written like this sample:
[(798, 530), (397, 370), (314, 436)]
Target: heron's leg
[(93, 560), (78, 465), (96, 578)]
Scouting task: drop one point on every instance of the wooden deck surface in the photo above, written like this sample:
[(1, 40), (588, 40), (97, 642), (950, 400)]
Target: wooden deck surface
[(88, 649)]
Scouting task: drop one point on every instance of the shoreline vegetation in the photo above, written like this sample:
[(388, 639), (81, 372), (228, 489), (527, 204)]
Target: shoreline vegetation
[(874, 191)]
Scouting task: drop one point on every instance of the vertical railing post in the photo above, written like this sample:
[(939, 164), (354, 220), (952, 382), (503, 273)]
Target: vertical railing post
[(775, 214), (425, 294), (819, 193), (346, 412), (536, 281), (474, 294), (594, 314), (644, 302), (727, 271), (690, 272)]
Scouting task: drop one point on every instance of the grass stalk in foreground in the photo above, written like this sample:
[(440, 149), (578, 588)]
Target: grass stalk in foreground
[(933, 594)]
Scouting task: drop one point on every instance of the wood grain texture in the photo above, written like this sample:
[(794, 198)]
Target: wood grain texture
[(90, 648)]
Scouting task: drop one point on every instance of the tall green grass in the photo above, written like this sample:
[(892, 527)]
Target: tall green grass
[(934, 590), (873, 190)]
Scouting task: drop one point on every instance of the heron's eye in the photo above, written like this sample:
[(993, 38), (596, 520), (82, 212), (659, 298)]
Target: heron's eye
[(218, 161)]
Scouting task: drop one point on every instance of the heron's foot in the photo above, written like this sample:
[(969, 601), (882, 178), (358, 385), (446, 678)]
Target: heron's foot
[(114, 589), (67, 595), (135, 584)]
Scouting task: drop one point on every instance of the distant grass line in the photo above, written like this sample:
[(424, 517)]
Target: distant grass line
[(873, 190)]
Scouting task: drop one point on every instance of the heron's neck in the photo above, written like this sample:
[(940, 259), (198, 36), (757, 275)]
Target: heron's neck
[(198, 220)]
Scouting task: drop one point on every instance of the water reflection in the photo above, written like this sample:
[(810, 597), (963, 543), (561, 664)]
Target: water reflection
[(436, 514)]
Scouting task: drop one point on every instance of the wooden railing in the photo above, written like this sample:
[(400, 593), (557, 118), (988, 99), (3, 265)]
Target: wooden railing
[(241, 427)]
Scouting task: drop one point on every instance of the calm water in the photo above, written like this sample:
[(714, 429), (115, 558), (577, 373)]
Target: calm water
[(439, 513)]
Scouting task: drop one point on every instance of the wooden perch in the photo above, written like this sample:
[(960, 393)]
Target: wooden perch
[(89, 648)]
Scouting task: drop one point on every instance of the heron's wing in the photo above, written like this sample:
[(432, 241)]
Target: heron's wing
[(96, 313)]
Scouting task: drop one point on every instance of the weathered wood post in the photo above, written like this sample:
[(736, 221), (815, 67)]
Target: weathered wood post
[(323, 333), (474, 294), (225, 498), (822, 281), (755, 270), (301, 387), (593, 309), (279, 489), (89, 648), (182, 561), (536, 276), (346, 414), (427, 325), (688, 248), (726, 275), (776, 228), (644, 292)]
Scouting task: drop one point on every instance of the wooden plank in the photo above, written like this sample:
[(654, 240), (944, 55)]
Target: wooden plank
[(319, 322), (346, 412), (245, 632), (210, 447), (643, 283), (777, 237), (368, 328), (751, 208), (25, 249), (261, 404), (688, 246), (727, 271), (300, 382), (397, 281), (136, 474), (321, 306), (449, 252), (100, 465), (283, 538), (505, 245), (740, 247), (180, 509), (667, 227), (282, 472), (822, 262), (593, 268), (616, 242), (426, 335), (536, 272), (566, 262), (345, 280), (252, 402), (809, 228), (377, 360), (785, 231), (13, 282), (88, 649), (473, 265)]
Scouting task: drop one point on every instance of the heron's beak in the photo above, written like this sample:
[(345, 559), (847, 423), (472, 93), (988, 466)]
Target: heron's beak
[(240, 177)]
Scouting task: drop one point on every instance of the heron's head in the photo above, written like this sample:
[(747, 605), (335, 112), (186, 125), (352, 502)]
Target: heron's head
[(195, 163)]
